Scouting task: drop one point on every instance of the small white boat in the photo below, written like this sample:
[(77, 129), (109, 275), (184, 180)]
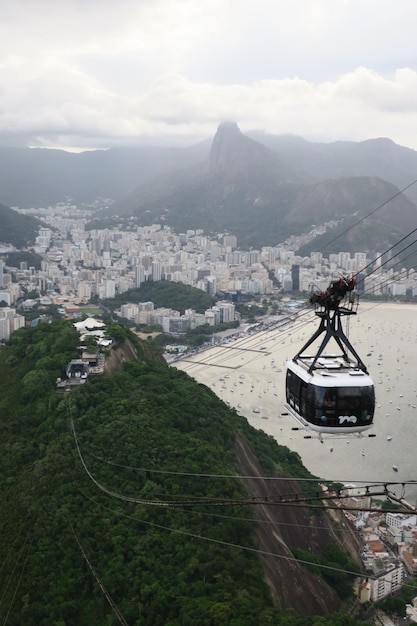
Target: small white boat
[(395, 468), (389, 438)]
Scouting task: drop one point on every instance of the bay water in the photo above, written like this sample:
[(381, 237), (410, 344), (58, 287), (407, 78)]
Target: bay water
[(249, 374)]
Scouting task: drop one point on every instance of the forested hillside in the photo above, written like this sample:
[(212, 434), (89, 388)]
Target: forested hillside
[(165, 293), (107, 497), (16, 229)]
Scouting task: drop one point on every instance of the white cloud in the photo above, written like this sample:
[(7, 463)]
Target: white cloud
[(98, 73)]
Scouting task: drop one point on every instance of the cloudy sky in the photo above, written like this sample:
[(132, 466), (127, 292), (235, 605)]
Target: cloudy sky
[(82, 74)]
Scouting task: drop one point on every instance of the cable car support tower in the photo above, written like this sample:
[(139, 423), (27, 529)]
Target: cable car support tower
[(331, 305)]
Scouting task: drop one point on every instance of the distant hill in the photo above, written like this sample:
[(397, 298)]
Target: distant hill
[(17, 230), (52, 176), (261, 187), (375, 158), (165, 293), (249, 190)]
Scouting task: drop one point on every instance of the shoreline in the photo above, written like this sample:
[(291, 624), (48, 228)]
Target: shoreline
[(249, 375)]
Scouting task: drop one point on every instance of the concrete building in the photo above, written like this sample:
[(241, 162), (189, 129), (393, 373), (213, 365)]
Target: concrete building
[(227, 311), (388, 576), (4, 329), (400, 520), (5, 296), (230, 241), (139, 275), (356, 497), (212, 316), (211, 282), (156, 271), (295, 275), (9, 322), (398, 289), (176, 325)]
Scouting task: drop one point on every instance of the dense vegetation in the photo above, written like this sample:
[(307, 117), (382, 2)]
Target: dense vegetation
[(16, 229), (334, 557), (14, 259), (368, 236), (86, 482), (164, 293)]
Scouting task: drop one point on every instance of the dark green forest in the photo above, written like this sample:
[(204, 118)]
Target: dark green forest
[(165, 293), (100, 520), (14, 259), (16, 229)]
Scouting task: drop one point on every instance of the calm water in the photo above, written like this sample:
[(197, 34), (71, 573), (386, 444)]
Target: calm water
[(249, 374)]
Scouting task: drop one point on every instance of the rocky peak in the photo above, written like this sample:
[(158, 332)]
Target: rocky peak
[(233, 153), (230, 129), (225, 148)]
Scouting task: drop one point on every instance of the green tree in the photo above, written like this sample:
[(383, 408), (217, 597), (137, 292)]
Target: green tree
[(116, 331), (36, 384)]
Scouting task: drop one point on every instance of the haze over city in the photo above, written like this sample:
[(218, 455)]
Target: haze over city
[(79, 75)]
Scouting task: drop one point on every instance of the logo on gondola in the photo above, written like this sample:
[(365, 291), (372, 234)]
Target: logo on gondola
[(347, 418)]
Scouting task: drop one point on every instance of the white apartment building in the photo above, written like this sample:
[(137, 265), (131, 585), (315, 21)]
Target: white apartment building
[(387, 579), (227, 311), (398, 289), (129, 311), (343, 259), (399, 520), (361, 260), (156, 271), (109, 288), (230, 241), (9, 322), (139, 275), (5, 296), (4, 329), (212, 317), (176, 325), (84, 290)]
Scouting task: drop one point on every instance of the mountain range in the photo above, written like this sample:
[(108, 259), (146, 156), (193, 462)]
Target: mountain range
[(262, 188)]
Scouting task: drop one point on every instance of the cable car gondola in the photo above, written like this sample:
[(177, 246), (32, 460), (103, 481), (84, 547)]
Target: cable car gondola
[(328, 393)]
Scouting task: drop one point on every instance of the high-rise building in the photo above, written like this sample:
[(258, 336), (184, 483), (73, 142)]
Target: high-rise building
[(109, 288), (230, 241), (227, 311), (295, 275), (343, 259), (139, 275), (5, 296), (156, 271), (360, 260), (211, 285), (360, 282), (4, 328)]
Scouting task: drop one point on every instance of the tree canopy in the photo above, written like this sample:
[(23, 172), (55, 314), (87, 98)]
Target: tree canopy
[(165, 293), (96, 489)]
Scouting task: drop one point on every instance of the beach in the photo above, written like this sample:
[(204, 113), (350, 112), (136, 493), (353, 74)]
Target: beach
[(249, 375)]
